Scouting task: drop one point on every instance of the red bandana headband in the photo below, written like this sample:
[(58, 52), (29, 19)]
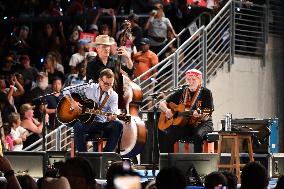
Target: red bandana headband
[(194, 72)]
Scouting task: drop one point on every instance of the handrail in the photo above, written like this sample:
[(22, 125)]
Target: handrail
[(219, 13), (182, 31)]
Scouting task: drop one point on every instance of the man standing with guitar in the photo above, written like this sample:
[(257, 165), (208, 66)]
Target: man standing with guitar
[(186, 113), (106, 98)]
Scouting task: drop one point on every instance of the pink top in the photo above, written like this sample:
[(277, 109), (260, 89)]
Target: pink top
[(9, 141)]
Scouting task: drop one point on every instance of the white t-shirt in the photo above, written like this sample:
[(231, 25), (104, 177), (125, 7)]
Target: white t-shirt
[(15, 134), (77, 58)]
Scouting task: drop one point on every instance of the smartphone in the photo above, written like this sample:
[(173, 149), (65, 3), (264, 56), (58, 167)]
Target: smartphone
[(105, 11)]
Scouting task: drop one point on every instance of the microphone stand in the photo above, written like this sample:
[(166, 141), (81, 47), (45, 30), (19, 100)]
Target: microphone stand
[(42, 99), (155, 118)]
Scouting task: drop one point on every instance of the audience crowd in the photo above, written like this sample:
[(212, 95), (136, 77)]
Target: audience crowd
[(48, 48), (51, 44)]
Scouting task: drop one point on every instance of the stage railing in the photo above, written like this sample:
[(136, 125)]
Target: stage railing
[(211, 48)]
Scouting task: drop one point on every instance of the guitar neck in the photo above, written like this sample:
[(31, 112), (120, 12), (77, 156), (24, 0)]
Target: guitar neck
[(99, 112)]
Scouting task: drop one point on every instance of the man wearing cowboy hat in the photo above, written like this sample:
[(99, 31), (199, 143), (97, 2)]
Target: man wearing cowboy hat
[(197, 125), (102, 60)]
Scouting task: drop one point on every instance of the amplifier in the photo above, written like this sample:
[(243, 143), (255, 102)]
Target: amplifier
[(274, 163), (266, 140)]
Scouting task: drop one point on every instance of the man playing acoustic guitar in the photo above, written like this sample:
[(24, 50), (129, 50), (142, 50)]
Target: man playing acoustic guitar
[(186, 113), (107, 100)]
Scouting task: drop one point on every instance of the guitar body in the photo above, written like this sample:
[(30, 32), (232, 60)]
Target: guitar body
[(178, 118), (68, 112)]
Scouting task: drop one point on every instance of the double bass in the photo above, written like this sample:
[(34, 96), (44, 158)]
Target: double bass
[(134, 134)]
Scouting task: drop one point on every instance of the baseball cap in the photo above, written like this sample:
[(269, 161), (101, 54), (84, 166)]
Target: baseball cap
[(93, 27), (145, 41)]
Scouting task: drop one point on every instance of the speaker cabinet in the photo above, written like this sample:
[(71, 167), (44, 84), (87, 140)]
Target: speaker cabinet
[(100, 161), (146, 155), (274, 163), (204, 163), (31, 163)]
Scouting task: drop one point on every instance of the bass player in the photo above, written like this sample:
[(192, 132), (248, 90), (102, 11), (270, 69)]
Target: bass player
[(194, 98)]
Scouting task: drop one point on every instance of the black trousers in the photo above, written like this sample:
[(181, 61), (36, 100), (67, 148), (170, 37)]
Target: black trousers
[(169, 136)]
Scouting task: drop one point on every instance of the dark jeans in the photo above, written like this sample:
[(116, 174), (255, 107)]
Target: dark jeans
[(111, 130), (169, 136)]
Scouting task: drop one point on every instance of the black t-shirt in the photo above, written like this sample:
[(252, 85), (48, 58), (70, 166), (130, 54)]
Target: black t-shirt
[(52, 102), (95, 66), (204, 97)]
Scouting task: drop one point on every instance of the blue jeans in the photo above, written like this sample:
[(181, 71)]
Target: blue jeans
[(111, 130)]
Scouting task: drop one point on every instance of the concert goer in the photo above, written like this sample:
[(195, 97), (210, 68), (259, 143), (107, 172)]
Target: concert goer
[(51, 103), (30, 124), (107, 99), (157, 26), (83, 46), (42, 88), (18, 133), (49, 67), (194, 97), (79, 77)]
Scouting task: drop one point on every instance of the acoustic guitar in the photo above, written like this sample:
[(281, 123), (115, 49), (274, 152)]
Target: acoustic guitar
[(181, 116), (68, 110)]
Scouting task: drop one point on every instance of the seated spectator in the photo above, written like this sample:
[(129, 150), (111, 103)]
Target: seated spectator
[(254, 176), (215, 179), (18, 133), (79, 173), (30, 124), (27, 182), (170, 177)]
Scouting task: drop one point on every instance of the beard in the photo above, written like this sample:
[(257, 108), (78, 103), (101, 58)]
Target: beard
[(42, 84)]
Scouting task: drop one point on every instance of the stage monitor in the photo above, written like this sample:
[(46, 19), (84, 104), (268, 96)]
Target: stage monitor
[(204, 163), (100, 161), (31, 163)]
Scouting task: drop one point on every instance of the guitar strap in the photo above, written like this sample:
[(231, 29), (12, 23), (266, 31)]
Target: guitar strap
[(103, 102), (192, 101)]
